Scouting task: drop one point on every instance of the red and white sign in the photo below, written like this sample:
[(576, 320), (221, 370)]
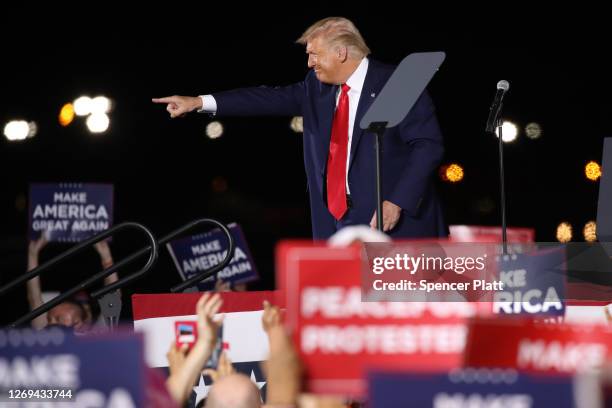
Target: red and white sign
[(156, 316), (339, 337), (245, 341), (479, 233), (535, 347)]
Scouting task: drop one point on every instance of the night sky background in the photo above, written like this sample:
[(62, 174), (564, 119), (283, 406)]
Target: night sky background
[(167, 172)]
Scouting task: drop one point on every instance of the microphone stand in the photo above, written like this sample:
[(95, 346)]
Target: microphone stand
[(502, 187), (493, 122)]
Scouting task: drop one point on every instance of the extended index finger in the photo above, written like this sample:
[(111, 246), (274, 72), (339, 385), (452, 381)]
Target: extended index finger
[(165, 99)]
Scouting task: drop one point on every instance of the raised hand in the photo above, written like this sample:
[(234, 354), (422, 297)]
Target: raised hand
[(206, 308), (180, 105)]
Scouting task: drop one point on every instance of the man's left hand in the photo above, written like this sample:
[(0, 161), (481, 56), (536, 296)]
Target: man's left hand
[(391, 216)]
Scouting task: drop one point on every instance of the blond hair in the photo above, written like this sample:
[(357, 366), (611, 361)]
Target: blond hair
[(337, 31)]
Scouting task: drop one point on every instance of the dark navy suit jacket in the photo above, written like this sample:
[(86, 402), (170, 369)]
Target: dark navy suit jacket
[(412, 151)]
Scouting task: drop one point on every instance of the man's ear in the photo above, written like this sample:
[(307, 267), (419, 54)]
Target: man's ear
[(342, 53)]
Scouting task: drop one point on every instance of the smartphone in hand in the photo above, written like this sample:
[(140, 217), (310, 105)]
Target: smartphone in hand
[(186, 332), (213, 361)]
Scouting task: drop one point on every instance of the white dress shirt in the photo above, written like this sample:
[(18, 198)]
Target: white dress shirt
[(355, 82)]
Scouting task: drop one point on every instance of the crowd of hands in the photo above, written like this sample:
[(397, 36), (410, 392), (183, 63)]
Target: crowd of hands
[(282, 369)]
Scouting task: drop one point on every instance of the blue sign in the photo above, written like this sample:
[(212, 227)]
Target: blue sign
[(196, 254), (473, 388), (69, 212), (55, 365), (534, 283)]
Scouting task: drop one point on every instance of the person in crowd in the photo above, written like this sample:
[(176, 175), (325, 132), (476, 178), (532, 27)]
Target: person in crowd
[(284, 369), (233, 390), (75, 312)]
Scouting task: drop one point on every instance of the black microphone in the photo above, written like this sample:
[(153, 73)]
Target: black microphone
[(502, 87)]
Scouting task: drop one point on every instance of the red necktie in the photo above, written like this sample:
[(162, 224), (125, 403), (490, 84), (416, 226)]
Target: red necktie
[(336, 161)]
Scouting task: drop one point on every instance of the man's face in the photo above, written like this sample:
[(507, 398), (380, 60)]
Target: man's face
[(66, 314), (324, 60)]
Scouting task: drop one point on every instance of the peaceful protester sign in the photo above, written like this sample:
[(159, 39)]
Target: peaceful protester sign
[(340, 337), (69, 212)]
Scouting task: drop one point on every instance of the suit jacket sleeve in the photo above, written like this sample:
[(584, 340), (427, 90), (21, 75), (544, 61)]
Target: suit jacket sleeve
[(421, 131), (262, 101)]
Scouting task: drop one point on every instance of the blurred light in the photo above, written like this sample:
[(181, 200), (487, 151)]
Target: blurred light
[(590, 231), (97, 122), (533, 130), (451, 173), (66, 115), (219, 184), (16, 130), (509, 132), (32, 129), (214, 130), (100, 104), (592, 171), (297, 124), (442, 172), (82, 106), (564, 232), (454, 173)]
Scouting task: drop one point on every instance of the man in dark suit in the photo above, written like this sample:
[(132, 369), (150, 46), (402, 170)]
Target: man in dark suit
[(339, 157)]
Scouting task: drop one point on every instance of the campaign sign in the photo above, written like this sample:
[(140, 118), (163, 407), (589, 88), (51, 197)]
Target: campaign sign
[(69, 212), (338, 336), (198, 253), (530, 346), (54, 365), (474, 388), (534, 283), (477, 233)]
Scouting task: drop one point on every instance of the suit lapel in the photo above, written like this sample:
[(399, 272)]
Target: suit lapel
[(371, 87), (326, 107)]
